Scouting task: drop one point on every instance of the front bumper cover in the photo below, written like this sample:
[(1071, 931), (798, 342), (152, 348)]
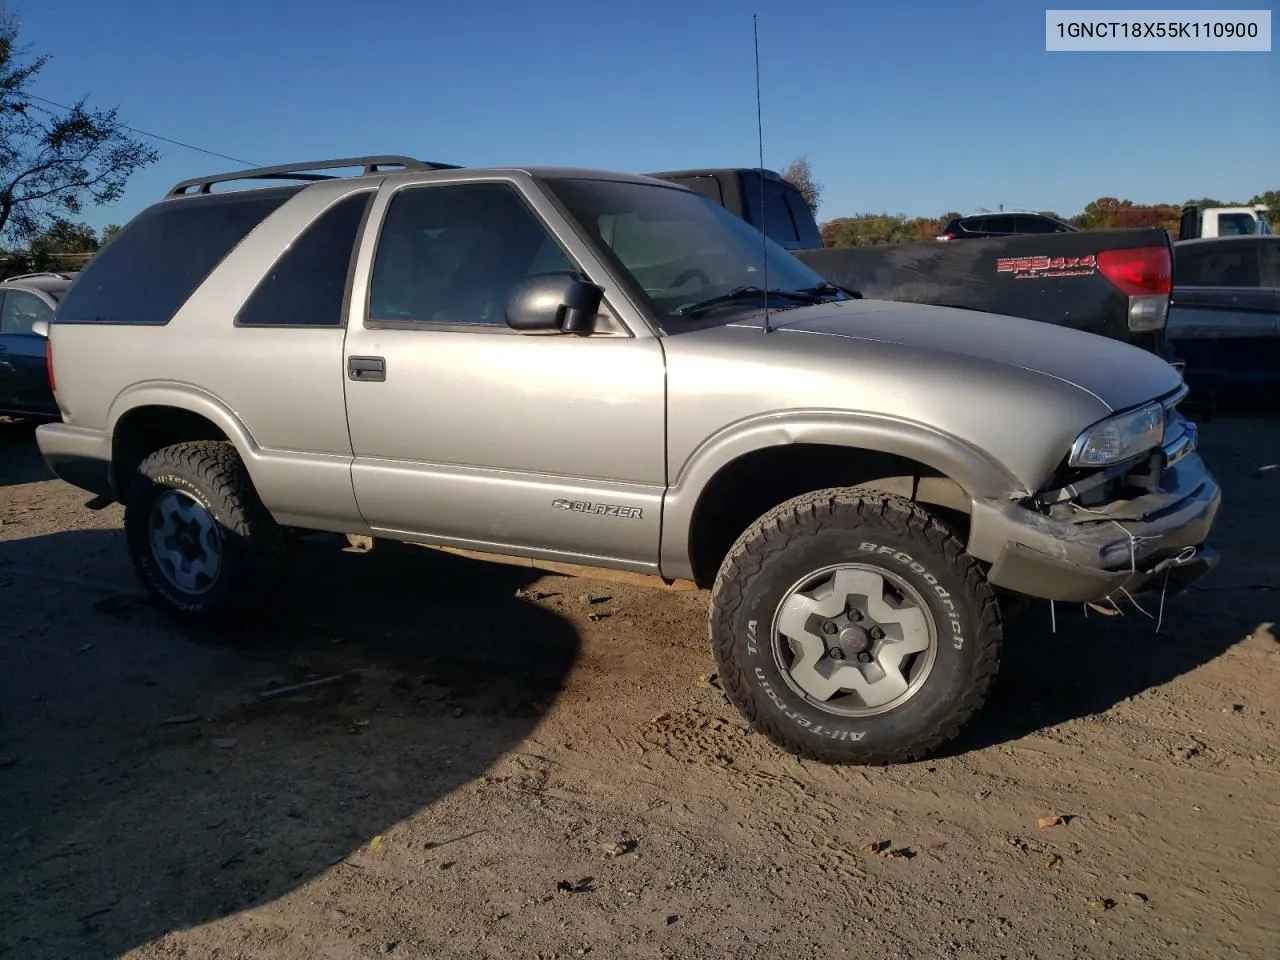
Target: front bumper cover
[(1156, 542)]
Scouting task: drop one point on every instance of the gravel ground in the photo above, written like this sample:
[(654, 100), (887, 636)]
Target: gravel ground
[(526, 765)]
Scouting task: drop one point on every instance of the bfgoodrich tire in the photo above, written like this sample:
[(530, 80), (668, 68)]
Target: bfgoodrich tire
[(849, 626), (204, 547)]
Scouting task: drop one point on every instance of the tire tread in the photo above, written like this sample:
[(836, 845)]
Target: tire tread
[(261, 545), (789, 522)]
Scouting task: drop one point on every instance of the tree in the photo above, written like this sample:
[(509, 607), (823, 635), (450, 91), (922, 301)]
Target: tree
[(108, 232), (55, 162), (63, 236), (801, 177), (1272, 200)]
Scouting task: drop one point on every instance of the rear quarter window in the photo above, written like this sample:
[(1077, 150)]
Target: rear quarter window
[(709, 187), (307, 286), (778, 222), (149, 269)]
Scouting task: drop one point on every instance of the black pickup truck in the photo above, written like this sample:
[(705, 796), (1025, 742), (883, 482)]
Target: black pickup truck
[(1224, 321), (1113, 282)]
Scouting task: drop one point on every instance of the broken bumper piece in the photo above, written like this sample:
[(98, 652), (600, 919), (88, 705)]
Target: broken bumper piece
[(1152, 543)]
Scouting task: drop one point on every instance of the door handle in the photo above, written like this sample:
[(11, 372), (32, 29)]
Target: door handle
[(366, 368)]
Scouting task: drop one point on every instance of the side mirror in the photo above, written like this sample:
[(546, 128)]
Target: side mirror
[(554, 301), (41, 328)]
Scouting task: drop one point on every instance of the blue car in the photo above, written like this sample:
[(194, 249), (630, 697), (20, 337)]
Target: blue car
[(25, 390)]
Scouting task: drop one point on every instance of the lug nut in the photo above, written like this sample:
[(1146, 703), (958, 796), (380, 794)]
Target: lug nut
[(836, 653), (855, 615), (877, 633), (864, 658), (829, 628)]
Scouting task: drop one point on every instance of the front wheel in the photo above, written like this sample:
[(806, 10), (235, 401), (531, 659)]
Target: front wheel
[(849, 626), (202, 543)]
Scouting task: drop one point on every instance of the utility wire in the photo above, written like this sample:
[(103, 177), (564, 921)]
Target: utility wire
[(153, 136)]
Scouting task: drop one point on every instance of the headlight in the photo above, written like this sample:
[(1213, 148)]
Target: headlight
[(1119, 438)]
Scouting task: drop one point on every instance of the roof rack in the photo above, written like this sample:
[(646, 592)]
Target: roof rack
[(297, 171), (38, 273)]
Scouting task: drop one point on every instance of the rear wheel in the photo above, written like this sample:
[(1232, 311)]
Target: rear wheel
[(202, 543), (850, 627)]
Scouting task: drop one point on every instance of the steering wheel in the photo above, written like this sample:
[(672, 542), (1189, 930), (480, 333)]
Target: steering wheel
[(689, 275)]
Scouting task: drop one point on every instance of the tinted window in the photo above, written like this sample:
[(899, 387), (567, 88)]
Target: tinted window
[(1033, 225), (1003, 224), (307, 285), (1235, 265), (1271, 264), (801, 215), (709, 187), (146, 273), (777, 215), (1236, 224), (21, 310), (452, 254)]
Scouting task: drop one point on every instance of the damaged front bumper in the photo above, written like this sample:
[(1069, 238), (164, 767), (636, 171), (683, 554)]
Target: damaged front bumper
[(1148, 540)]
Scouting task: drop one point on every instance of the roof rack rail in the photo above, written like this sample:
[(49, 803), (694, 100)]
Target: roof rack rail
[(297, 171), (39, 273)]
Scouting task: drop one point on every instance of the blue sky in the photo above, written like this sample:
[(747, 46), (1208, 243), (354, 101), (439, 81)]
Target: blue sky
[(906, 107)]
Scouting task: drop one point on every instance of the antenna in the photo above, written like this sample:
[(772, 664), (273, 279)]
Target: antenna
[(764, 247)]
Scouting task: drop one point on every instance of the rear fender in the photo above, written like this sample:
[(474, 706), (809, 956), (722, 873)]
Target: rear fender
[(183, 396)]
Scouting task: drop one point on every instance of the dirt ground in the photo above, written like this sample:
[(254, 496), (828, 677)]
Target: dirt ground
[(528, 765)]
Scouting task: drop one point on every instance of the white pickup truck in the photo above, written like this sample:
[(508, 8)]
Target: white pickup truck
[(1199, 222)]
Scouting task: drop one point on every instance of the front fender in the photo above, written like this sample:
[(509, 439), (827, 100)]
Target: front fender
[(976, 473)]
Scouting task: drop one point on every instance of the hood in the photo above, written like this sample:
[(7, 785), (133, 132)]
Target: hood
[(1118, 374)]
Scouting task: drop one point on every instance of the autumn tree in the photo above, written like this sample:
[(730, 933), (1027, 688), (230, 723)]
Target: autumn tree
[(1105, 213), (54, 162), (799, 175)]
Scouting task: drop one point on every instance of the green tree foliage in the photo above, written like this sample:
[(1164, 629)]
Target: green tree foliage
[(109, 231), (63, 236), (1271, 198), (53, 163)]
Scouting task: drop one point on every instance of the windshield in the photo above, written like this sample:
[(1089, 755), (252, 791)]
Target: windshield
[(680, 249)]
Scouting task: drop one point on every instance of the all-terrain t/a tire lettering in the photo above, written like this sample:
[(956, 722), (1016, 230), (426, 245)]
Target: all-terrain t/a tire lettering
[(202, 543), (849, 626)]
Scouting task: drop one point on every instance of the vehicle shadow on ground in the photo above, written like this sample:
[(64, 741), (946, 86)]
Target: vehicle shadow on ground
[(1089, 663), (147, 787), (20, 460)]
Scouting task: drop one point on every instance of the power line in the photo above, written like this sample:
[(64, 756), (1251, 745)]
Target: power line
[(154, 136)]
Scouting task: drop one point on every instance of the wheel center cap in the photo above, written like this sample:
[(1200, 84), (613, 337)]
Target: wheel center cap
[(854, 639)]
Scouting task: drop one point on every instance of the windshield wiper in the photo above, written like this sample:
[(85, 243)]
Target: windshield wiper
[(739, 293), (827, 287)]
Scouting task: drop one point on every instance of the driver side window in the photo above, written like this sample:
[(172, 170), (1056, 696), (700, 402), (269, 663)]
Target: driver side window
[(452, 253)]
